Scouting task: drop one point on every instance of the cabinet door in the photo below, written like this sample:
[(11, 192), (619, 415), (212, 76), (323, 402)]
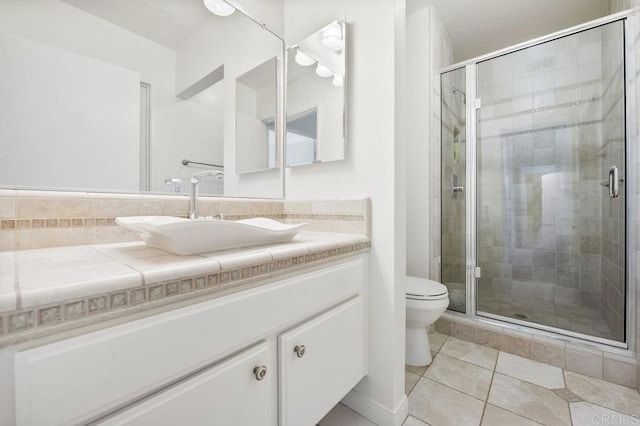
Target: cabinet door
[(314, 378), (226, 394)]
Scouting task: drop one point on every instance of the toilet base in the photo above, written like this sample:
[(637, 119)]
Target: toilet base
[(417, 349)]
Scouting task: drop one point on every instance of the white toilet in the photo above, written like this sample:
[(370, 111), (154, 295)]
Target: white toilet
[(426, 301)]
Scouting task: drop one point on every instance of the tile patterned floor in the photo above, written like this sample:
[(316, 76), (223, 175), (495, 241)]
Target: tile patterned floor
[(469, 384)]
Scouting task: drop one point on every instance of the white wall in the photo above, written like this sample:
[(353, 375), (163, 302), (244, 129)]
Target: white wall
[(7, 393), (428, 50), (373, 168), (249, 45), (418, 110), (48, 140)]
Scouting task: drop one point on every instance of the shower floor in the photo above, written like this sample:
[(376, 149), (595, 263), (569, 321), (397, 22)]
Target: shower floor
[(582, 318)]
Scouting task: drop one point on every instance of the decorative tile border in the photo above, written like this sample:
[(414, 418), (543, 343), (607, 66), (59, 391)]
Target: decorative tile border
[(540, 109), (93, 222), (540, 129), (301, 216), (89, 222), (14, 323)]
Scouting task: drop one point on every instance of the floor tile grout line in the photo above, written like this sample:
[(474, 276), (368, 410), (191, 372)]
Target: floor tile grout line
[(599, 406), (493, 374), (506, 375), (508, 410), (494, 371), (461, 360), (516, 414), (453, 389), (457, 390), (526, 381), (414, 386), (359, 413), (420, 376), (467, 362), (486, 401), (568, 403)]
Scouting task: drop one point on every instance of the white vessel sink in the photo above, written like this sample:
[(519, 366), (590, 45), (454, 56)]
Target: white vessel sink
[(191, 236)]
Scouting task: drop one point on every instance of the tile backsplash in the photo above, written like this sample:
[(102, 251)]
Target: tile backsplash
[(41, 219)]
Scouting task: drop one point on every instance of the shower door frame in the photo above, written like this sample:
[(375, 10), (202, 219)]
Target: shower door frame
[(630, 186)]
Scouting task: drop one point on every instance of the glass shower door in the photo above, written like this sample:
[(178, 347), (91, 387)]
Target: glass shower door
[(550, 167), (453, 209)]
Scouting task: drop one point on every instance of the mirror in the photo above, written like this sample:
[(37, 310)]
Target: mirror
[(130, 96), (316, 97), (256, 105)]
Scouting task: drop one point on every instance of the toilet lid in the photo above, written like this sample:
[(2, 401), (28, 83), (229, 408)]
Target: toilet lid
[(420, 288)]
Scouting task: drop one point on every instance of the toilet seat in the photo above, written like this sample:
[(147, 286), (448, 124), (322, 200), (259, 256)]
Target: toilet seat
[(423, 289)]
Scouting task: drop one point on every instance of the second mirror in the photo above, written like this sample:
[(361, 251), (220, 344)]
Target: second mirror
[(316, 97)]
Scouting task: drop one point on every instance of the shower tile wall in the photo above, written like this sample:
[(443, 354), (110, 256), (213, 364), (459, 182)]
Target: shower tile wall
[(539, 195)]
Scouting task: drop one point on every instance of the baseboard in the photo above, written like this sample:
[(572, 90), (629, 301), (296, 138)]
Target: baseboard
[(376, 412)]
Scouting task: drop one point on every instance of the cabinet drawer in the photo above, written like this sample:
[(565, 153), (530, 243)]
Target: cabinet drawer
[(313, 381), (227, 394)]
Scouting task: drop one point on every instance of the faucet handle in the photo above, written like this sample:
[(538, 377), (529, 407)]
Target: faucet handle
[(213, 217), (177, 184)]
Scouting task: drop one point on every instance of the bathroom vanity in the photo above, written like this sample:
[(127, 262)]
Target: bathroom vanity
[(277, 350)]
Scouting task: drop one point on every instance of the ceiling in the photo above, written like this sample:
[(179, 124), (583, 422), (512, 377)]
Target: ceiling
[(166, 22), (476, 27)]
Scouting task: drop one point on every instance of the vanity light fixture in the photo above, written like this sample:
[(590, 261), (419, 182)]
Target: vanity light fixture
[(219, 7), (303, 59), (338, 80), (323, 71), (332, 37)]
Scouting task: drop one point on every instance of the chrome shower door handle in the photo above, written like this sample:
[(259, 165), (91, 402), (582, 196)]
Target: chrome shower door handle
[(454, 185), (614, 182)]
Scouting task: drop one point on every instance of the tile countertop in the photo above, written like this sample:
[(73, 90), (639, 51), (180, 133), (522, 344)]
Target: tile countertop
[(46, 288)]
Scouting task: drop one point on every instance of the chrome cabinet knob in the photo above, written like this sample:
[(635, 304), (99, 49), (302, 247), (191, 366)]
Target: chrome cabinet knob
[(300, 350), (260, 372)]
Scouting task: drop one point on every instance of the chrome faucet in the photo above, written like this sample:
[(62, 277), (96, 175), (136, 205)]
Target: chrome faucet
[(195, 180)]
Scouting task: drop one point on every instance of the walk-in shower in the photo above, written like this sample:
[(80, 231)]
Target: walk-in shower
[(535, 184)]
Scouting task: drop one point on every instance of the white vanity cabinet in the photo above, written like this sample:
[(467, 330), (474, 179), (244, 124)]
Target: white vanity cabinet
[(202, 364)]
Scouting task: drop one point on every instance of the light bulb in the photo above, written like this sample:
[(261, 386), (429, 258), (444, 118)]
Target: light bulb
[(332, 37), (303, 59), (338, 80), (219, 7), (323, 71)]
